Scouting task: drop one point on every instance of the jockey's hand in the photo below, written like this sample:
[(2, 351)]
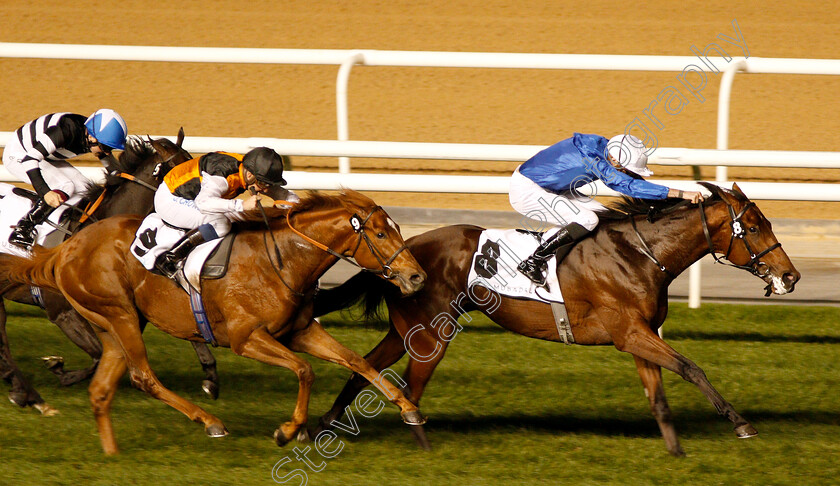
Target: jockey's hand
[(250, 204), (693, 196), (53, 198)]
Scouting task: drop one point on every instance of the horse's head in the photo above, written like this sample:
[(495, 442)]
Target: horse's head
[(746, 239), (379, 247), (170, 154)]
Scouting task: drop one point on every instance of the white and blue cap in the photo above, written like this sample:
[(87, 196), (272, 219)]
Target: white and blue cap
[(108, 128), (629, 152)]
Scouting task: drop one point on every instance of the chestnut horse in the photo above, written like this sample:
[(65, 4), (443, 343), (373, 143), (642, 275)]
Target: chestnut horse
[(261, 309), (129, 189), (615, 285)]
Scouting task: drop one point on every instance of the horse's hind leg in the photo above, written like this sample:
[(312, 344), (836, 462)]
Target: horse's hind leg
[(78, 330), (314, 340), (645, 344), (259, 345), (102, 389), (125, 330), (386, 353), (21, 394), (651, 376), (210, 385)]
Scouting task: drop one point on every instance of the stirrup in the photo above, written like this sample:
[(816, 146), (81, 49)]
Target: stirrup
[(169, 267)]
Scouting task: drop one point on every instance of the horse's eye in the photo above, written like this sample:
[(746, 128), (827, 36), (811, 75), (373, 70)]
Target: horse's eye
[(380, 235), (753, 229)]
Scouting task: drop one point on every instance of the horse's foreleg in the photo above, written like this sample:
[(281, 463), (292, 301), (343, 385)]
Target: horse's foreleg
[(651, 376), (262, 347), (647, 345), (210, 385), (78, 330), (386, 353), (102, 389), (314, 340)]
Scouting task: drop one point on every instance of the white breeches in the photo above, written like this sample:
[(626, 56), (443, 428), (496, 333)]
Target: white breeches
[(59, 175), (183, 213), (532, 201)]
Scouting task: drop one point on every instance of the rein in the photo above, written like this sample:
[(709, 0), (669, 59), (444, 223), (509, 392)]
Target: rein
[(93, 206), (738, 232), (358, 227)]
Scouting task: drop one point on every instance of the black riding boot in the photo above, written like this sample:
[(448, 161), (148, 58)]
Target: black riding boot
[(170, 262), (24, 233), (560, 244)]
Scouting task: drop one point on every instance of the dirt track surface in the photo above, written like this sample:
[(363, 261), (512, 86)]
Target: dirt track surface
[(784, 112)]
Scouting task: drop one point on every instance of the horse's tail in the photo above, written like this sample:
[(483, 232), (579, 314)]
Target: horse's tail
[(37, 271), (363, 288)]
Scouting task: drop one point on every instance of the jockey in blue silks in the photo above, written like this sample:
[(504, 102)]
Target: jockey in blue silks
[(546, 188)]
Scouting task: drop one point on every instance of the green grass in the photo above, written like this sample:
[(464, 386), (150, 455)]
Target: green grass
[(503, 409)]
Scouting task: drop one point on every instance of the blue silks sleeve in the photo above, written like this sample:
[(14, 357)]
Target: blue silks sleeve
[(580, 160)]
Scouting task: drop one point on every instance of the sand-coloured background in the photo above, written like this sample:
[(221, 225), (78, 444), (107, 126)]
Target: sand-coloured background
[(784, 112)]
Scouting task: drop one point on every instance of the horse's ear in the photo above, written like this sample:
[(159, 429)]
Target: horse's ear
[(180, 140), (738, 192)]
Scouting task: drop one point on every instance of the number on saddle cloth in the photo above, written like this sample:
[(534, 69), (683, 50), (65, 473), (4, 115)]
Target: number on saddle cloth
[(152, 239)]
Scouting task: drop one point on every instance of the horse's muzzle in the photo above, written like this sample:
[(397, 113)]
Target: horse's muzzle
[(410, 284), (781, 285)]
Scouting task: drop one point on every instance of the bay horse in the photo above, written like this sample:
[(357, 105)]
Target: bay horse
[(615, 286), (262, 308), (129, 189)]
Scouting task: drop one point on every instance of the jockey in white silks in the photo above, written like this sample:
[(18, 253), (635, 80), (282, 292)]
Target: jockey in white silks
[(546, 188)]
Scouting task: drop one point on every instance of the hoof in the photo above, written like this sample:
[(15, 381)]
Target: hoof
[(216, 430), (210, 388), (46, 410), (18, 399), (745, 431), (280, 438), (413, 418), (53, 362), (303, 436)]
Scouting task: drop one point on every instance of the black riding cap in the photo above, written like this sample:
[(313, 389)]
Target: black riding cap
[(266, 165)]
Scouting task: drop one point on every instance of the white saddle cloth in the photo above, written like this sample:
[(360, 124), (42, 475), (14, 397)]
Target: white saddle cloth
[(496, 258), (12, 209), (154, 238)]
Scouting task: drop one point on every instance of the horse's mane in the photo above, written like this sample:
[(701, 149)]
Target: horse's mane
[(311, 201), (136, 152), (627, 207)]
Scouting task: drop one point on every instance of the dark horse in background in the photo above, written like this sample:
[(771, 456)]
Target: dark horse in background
[(129, 189), (615, 285)]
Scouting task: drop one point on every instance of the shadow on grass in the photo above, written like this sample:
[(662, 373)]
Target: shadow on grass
[(752, 337), (688, 425)]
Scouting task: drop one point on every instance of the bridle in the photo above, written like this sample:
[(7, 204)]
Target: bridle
[(738, 232), (358, 225), (93, 206)]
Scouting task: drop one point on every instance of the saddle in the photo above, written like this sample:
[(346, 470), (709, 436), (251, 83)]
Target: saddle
[(15, 203)]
